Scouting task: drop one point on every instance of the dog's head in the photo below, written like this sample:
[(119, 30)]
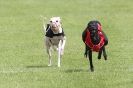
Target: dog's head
[(93, 27), (55, 24)]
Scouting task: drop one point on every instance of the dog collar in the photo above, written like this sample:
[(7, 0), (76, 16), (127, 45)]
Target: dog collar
[(51, 34)]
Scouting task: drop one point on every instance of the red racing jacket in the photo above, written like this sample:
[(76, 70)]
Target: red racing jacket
[(93, 47)]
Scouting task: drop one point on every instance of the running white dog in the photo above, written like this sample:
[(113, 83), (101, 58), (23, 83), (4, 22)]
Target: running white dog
[(54, 38)]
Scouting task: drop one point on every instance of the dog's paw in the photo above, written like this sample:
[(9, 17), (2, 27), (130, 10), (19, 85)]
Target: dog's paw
[(58, 65), (49, 65)]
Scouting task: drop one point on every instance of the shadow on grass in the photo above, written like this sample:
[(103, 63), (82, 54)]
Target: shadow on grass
[(37, 66), (75, 70)]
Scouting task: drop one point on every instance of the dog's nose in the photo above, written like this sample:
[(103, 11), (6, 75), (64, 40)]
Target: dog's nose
[(54, 25)]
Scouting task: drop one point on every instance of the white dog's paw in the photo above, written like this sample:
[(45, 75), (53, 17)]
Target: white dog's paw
[(49, 65), (58, 65)]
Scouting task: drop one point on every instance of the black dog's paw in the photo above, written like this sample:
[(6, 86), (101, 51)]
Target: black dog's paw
[(99, 57), (105, 57), (92, 69)]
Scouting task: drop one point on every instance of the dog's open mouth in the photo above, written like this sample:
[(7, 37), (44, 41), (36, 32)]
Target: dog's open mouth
[(53, 27)]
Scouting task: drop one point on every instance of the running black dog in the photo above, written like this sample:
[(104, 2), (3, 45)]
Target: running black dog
[(95, 40)]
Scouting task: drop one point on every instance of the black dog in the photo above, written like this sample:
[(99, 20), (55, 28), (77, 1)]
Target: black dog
[(95, 40)]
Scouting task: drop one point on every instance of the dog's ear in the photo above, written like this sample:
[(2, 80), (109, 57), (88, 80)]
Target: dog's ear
[(94, 25), (59, 19)]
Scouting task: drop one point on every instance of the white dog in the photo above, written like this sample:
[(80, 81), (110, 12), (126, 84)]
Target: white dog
[(54, 38)]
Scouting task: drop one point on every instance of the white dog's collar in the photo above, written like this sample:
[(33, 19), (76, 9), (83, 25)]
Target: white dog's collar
[(51, 34)]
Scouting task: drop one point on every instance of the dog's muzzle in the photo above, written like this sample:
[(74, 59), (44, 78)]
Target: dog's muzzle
[(54, 27)]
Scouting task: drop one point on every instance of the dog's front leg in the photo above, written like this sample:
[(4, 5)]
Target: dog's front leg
[(59, 53), (90, 59), (100, 53), (50, 55), (63, 42), (48, 49), (86, 50), (104, 53)]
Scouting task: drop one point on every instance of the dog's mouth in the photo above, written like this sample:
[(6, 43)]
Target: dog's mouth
[(53, 27)]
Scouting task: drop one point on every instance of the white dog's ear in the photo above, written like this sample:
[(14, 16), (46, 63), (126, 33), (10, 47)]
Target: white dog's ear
[(59, 19)]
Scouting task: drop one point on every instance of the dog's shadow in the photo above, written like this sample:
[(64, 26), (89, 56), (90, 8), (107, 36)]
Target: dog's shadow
[(37, 66), (75, 70)]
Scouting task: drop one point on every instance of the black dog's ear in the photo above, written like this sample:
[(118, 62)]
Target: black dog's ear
[(94, 21), (93, 25)]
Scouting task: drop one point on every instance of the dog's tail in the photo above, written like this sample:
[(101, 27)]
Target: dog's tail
[(44, 22)]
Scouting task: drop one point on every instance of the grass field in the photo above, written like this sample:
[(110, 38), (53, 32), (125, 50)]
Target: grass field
[(23, 60)]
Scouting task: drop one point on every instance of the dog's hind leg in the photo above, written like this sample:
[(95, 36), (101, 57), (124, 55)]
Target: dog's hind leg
[(90, 59), (104, 53)]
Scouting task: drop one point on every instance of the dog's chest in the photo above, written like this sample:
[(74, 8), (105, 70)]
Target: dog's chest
[(55, 40)]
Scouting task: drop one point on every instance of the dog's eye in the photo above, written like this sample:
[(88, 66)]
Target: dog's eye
[(56, 20), (50, 21)]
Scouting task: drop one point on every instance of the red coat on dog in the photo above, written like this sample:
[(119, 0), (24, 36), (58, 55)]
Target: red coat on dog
[(90, 44)]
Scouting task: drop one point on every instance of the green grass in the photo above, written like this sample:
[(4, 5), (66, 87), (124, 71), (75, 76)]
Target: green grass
[(23, 60)]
